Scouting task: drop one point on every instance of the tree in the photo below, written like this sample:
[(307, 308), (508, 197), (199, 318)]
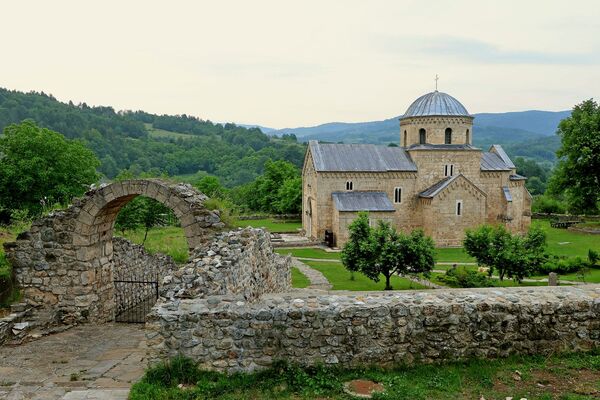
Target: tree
[(384, 251), (211, 186), (512, 256), (290, 197), (578, 170), (37, 163)]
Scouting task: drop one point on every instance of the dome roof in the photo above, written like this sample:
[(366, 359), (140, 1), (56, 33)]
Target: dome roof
[(436, 103)]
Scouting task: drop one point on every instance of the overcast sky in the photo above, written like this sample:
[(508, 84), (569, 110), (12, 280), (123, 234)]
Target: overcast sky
[(291, 63)]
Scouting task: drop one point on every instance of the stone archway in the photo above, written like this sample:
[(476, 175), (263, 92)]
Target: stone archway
[(64, 262)]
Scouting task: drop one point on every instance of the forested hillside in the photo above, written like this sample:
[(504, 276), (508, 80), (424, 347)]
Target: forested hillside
[(142, 142)]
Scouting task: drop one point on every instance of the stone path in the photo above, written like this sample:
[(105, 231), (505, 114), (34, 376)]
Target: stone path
[(87, 362), (316, 278)]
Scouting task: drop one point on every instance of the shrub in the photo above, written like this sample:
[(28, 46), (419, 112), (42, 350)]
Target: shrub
[(465, 278), (548, 205), (563, 265), (173, 372)]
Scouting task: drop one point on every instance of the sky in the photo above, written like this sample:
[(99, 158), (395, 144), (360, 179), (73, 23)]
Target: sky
[(301, 63)]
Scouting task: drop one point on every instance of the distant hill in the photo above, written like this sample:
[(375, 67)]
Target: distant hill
[(512, 129), (159, 144)]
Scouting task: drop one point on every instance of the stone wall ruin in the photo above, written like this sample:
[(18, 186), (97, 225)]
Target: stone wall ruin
[(65, 262)]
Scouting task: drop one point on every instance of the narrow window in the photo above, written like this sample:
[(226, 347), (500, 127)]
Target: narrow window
[(449, 170), (349, 185), (448, 136), (422, 136), (468, 137), (405, 138), (398, 195), (446, 170), (459, 207)]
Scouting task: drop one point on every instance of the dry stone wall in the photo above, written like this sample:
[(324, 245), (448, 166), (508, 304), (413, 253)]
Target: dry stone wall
[(238, 263), (226, 333)]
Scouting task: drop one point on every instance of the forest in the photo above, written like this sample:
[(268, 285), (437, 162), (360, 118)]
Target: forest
[(176, 145)]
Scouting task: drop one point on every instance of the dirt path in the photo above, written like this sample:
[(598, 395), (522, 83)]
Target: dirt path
[(86, 362)]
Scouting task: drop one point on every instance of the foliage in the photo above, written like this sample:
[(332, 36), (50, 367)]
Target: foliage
[(510, 255), (277, 191), (469, 379), (537, 175), (121, 141), (169, 240), (578, 170), (384, 251), (548, 205), (41, 167), (465, 278), (211, 186), (143, 212)]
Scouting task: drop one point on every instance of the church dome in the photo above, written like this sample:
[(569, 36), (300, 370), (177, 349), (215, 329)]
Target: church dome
[(436, 103)]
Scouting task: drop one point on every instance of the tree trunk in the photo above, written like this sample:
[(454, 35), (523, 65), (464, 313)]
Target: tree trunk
[(387, 282), (145, 236)]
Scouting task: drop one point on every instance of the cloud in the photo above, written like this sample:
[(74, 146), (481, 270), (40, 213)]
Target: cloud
[(475, 51)]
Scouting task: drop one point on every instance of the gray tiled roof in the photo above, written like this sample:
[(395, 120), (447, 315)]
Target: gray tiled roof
[(362, 201), (359, 158), (502, 154), (517, 177), (436, 103), (432, 191), (492, 162)]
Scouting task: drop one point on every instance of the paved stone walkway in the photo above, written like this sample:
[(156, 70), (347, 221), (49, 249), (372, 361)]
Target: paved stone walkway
[(87, 362), (316, 278)]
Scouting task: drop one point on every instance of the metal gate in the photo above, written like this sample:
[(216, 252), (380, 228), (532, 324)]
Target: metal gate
[(134, 299)]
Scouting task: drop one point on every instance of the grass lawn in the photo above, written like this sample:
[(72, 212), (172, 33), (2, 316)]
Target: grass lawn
[(593, 276), (273, 226), (566, 377), (573, 243), (339, 277), (299, 280), (168, 240), (310, 252), (452, 254)]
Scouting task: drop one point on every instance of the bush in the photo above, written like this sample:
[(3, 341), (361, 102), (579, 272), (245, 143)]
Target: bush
[(465, 278), (563, 265), (548, 205), (173, 372)]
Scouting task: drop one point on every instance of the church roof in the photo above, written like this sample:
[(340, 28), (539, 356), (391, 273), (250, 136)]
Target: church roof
[(496, 148), (362, 201), (359, 158), (436, 103), (492, 162), (433, 190)]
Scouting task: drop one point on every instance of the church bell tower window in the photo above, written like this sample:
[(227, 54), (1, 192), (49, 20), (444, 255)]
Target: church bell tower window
[(349, 185), (448, 138), (398, 195), (422, 136)]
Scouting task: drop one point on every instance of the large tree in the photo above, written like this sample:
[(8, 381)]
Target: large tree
[(384, 251), (578, 171), (40, 167), (512, 256)]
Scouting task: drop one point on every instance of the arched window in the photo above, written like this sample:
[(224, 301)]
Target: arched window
[(448, 136), (349, 185), (405, 138), (422, 136), (459, 209), (468, 137)]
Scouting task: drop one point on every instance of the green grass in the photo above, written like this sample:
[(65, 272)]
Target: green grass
[(574, 243), (452, 254), (168, 240), (273, 226), (593, 276), (299, 280), (563, 376), (339, 277), (310, 252)]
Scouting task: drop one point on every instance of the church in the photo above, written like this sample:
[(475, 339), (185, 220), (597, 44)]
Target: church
[(435, 180)]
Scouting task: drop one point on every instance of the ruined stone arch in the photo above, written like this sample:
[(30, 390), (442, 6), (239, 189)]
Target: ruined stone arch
[(64, 263)]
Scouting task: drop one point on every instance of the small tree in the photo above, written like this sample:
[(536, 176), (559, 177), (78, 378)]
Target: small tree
[(510, 255), (384, 251)]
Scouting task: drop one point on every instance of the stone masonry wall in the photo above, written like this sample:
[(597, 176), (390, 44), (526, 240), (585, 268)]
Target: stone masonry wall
[(226, 333), (239, 262)]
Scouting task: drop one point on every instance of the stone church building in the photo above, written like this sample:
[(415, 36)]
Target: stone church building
[(435, 180)]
